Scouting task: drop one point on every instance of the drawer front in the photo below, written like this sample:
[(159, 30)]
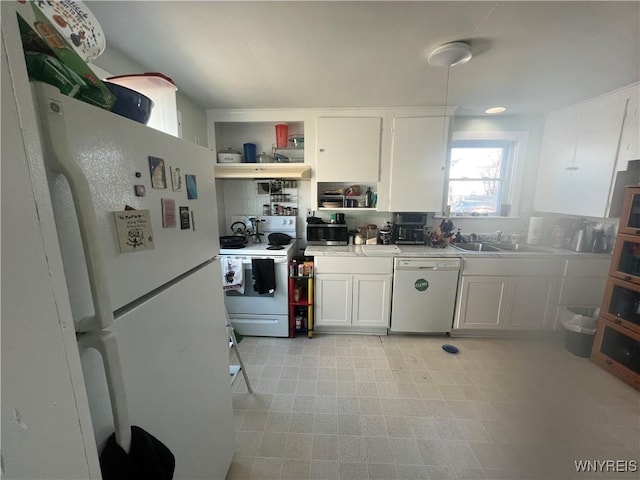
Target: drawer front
[(582, 291), (521, 267), (587, 267), (354, 265)]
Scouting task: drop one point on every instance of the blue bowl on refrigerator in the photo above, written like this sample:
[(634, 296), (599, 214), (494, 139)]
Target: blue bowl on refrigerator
[(130, 104)]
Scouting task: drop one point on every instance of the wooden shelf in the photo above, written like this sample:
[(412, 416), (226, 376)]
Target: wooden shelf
[(617, 350), (616, 346), (625, 262), (296, 171), (630, 216), (621, 304)]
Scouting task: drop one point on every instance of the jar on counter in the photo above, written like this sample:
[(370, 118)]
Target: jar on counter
[(266, 209)]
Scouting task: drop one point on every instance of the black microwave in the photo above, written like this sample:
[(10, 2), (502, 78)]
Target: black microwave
[(327, 234)]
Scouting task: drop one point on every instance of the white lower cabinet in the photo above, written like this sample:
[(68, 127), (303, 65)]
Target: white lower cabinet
[(508, 294), (358, 301), (531, 303), (371, 300), (481, 302), (333, 299)]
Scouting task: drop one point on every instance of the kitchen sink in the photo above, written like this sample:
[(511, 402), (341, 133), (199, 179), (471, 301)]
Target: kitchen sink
[(518, 247), (476, 247)]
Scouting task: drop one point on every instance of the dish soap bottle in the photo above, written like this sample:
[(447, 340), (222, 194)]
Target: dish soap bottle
[(368, 197)]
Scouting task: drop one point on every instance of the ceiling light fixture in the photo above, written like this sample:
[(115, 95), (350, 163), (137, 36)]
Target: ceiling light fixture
[(450, 54), (494, 110)]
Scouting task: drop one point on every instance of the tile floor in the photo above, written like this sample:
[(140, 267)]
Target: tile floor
[(399, 407)]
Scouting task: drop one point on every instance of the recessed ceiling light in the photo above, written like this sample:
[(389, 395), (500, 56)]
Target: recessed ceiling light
[(493, 110)]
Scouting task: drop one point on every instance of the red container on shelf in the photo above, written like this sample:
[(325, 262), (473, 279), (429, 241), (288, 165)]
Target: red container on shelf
[(282, 135)]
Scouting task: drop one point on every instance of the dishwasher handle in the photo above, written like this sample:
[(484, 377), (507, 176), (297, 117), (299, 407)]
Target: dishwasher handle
[(433, 269), (444, 264), (418, 268)]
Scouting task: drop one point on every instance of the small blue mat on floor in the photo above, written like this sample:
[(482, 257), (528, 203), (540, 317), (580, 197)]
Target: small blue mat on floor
[(450, 348)]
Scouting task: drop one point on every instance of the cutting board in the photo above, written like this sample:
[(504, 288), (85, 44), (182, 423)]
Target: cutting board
[(381, 249)]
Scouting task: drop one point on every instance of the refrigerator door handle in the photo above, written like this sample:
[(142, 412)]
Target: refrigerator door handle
[(58, 157), (105, 342)]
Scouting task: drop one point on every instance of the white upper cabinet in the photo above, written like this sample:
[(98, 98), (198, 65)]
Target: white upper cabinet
[(418, 160), (578, 157), (348, 149), (630, 141)]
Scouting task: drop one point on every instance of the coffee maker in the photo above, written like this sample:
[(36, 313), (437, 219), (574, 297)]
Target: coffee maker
[(409, 228)]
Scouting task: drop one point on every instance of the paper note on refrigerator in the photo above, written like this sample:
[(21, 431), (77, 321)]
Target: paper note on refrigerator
[(133, 228)]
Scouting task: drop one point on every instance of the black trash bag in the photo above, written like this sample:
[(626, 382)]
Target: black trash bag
[(148, 458)]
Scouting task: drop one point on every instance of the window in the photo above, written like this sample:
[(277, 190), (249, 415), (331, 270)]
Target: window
[(482, 173)]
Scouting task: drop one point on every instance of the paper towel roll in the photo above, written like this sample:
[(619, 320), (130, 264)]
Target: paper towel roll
[(534, 233)]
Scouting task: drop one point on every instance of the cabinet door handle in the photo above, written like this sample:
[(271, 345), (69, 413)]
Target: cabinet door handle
[(572, 168), (322, 149), (627, 277)]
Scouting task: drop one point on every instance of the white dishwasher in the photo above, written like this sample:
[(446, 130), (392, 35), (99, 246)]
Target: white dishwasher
[(424, 294)]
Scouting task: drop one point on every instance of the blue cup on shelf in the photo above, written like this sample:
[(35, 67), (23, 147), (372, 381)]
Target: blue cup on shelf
[(250, 152)]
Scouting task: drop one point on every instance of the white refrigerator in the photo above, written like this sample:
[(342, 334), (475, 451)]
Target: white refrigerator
[(142, 205), (134, 212)]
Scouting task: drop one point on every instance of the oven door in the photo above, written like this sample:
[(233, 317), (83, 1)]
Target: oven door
[(253, 314)]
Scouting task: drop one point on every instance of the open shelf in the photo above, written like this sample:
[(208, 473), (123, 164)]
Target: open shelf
[(301, 296)]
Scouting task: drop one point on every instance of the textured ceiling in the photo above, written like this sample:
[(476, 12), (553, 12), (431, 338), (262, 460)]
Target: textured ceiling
[(531, 57)]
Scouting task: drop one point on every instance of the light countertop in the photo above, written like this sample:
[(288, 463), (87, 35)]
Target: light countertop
[(426, 251)]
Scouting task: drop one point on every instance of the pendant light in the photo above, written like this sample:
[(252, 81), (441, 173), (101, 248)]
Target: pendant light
[(450, 54)]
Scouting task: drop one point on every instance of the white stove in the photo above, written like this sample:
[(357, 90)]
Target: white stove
[(261, 250), (251, 313)]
